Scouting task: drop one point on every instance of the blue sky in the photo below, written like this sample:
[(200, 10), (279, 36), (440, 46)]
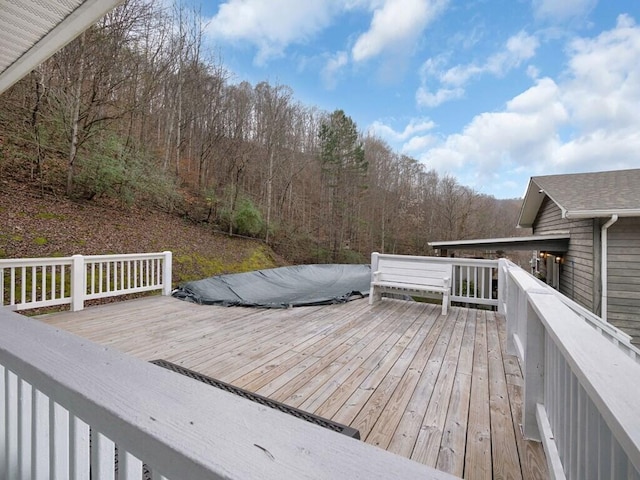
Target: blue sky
[(489, 91)]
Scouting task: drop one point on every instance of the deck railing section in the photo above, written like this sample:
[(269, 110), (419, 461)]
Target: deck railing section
[(36, 282), (607, 330), (45, 282), (71, 409), (516, 300), (580, 387), (472, 281)]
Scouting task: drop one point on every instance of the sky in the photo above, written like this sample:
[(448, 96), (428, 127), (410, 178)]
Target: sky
[(491, 92)]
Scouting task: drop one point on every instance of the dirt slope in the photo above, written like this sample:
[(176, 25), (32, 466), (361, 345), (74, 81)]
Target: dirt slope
[(32, 226)]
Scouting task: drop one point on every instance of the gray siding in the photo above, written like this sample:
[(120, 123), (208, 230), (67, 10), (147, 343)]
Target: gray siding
[(577, 269), (624, 276), (549, 218)]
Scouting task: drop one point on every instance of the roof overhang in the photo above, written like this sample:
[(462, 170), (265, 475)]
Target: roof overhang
[(533, 198), (533, 201), (30, 32), (552, 243)]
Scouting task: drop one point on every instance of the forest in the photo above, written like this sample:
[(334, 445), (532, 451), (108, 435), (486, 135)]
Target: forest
[(140, 111)]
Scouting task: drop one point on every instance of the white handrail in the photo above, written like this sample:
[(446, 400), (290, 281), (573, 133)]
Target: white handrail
[(178, 427), (607, 330), (580, 387), (44, 282)]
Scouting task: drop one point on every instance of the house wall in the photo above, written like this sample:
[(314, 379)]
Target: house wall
[(578, 269), (624, 276)]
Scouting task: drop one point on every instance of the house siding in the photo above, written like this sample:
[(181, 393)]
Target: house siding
[(578, 268), (623, 264)]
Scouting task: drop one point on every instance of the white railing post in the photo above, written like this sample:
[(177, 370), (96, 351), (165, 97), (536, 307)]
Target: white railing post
[(166, 273), (373, 297), (502, 286), (78, 283), (374, 263), (511, 314), (534, 370)]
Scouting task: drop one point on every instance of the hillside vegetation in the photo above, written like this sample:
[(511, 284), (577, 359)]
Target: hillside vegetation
[(55, 226), (138, 115)]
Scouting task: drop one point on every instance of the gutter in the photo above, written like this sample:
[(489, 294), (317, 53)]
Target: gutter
[(603, 268), (629, 212)]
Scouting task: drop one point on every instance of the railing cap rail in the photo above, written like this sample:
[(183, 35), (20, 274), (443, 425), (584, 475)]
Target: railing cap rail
[(452, 260), (123, 256), (29, 262)]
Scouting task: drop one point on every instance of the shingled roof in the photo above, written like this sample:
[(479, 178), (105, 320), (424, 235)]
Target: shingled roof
[(584, 195)]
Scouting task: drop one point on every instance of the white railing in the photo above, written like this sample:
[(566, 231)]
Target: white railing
[(45, 282), (516, 299), (581, 388), (67, 406), (472, 281)]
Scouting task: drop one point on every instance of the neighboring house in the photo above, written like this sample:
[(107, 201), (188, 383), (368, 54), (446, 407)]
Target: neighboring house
[(586, 231)]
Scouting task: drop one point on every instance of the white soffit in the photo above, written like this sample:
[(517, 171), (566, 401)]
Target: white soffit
[(33, 30)]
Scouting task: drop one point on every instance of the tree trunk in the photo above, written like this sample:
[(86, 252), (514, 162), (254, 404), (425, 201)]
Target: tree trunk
[(75, 119), (269, 195)]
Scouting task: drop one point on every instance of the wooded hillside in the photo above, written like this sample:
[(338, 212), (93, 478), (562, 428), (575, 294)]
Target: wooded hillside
[(139, 110)]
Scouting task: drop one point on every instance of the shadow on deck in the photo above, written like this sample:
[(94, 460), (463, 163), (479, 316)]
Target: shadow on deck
[(437, 389)]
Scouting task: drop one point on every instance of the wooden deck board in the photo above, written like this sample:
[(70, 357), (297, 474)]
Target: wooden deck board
[(438, 389), (454, 438), (478, 456), (429, 438), (383, 431), (504, 450)]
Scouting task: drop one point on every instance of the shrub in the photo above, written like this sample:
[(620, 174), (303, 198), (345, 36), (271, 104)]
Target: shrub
[(247, 219), (127, 174), (102, 171)]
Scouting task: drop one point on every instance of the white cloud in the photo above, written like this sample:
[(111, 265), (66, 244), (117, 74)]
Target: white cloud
[(425, 98), (494, 145), (604, 86), (396, 25), (602, 94), (415, 126), (271, 26), (524, 132), (558, 11), (333, 68), (533, 71), (418, 144), (600, 150), (460, 74), (517, 49), (586, 120)]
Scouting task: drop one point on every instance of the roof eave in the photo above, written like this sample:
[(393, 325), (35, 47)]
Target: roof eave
[(556, 242), (89, 12), (531, 204)]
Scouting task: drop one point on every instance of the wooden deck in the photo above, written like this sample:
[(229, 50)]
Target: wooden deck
[(438, 389)]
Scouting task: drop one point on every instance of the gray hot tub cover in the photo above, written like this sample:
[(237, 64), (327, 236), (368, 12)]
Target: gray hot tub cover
[(300, 285)]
